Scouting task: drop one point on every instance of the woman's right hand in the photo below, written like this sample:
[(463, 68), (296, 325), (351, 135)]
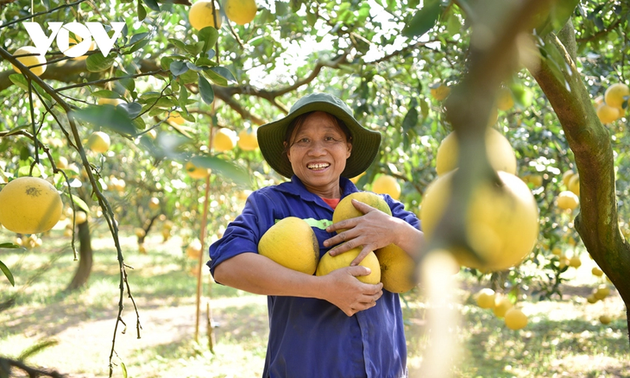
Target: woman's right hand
[(350, 295)]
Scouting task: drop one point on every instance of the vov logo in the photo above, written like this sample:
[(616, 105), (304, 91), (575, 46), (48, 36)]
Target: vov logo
[(85, 33)]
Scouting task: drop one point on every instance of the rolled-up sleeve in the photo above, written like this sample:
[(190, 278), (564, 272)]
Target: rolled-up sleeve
[(242, 235)]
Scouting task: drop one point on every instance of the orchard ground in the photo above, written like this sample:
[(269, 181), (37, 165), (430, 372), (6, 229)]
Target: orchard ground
[(564, 337)]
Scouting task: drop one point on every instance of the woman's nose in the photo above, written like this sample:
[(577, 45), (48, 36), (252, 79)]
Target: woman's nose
[(317, 148)]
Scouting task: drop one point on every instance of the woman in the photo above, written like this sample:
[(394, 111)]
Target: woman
[(332, 325)]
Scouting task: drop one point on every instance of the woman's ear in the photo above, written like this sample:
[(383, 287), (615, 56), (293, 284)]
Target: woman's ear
[(349, 149), (286, 148)]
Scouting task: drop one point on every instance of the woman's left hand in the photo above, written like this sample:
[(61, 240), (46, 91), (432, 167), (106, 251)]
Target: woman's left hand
[(372, 231)]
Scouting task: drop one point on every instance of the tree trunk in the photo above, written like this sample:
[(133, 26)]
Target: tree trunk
[(84, 270), (597, 221)]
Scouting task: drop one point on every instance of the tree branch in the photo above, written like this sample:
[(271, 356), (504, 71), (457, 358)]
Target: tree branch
[(597, 222), (32, 372)]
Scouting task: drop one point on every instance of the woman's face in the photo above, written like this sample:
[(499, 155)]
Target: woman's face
[(318, 152)]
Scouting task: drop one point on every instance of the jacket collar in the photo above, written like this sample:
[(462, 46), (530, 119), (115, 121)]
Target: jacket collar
[(297, 188)]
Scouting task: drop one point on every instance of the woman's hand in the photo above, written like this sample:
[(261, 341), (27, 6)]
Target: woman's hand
[(344, 290), (372, 231)]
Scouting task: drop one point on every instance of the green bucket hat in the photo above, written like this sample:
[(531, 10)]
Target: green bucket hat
[(365, 143)]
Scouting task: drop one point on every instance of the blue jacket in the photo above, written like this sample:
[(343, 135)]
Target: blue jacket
[(310, 337)]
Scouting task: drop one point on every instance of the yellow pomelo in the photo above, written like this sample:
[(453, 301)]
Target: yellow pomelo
[(292, 243), (196, 172), (574, 184), (154, 203), (591, 299), (567, 200), (140, 232), (501, 305), (175, 118), (598, 101), (614, 95), (505, 100), (575, 261), (498, 149), (224, 140), (248, 139), (601, 292), (566, 177), (605, 319), (386, 184), (29, 205), (98, 141), (330, 263), (30, 60), (193, 250), (515, 319), (110, 101), (346, 210), (607, 113), (597, 272), (485, 298), (73, 42), (240, 11), (501, 220), (200, 15), (440, 91), (397, 269), (80, 217), (62, 162), (535, 180)]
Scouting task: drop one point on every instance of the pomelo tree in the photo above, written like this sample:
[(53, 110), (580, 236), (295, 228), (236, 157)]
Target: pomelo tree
[(412, 70)]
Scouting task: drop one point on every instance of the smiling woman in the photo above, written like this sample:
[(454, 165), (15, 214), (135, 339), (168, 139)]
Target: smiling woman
[(333, 314)]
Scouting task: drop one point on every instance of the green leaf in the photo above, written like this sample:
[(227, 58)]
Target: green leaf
[(205, 89), (209, 37), (227, 169), (166, 145), (183, 97), (133, 109), (453, 25), (177, 43), (80, 203), (281, 8), (166, 61), (6, 270), (34, 349), (97, 62), (178, 67), (522, 95), (9, 246), (104, 93), (142, 13), (205, 62), (19, 80), (123, 367), (195, 48), (152, 4), (138, 45), (112, 117), (138, 37), (220, 76), (411, 118), (423, 20), (554, 18)]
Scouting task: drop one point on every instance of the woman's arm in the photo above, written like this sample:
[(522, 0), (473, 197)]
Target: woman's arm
[(374, 230), (260, 275)]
